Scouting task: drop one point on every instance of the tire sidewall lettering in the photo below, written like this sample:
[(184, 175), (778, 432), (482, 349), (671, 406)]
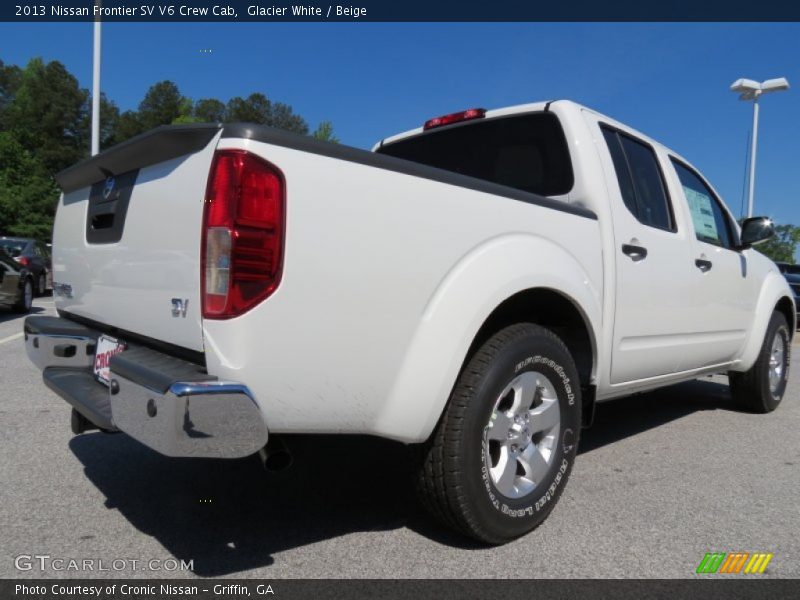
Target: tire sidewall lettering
[(538, 501), (557, 368)]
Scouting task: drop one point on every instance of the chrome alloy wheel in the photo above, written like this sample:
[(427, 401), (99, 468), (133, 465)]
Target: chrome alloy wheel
[(777, 363), (520, 439)]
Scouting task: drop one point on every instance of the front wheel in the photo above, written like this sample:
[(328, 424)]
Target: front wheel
[(761, 389), (503, 450)]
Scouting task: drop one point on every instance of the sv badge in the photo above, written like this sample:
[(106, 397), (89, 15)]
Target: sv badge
[(179, 307)]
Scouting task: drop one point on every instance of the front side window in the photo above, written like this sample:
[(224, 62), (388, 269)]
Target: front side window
[(710, 222), (640, 179)]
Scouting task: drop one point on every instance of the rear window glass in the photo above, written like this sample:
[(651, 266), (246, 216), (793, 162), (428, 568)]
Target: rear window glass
[(526, 152), (13, 247)]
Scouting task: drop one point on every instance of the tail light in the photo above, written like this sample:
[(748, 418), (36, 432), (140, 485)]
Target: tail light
[(23, 260), (243, 231), (464, 115)]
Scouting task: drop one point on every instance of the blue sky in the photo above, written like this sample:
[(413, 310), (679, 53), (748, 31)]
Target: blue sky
[(372, 79)]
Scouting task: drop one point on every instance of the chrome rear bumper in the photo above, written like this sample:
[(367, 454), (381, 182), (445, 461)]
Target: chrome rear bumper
[(166, 403), (203, 418)]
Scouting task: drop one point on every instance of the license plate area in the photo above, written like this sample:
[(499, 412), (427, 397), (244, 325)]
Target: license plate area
[(107, 347)]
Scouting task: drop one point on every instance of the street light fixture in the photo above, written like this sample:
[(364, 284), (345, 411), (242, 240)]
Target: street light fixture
[(752, 90)]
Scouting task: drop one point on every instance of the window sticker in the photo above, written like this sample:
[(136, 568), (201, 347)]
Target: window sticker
[(702, 214)]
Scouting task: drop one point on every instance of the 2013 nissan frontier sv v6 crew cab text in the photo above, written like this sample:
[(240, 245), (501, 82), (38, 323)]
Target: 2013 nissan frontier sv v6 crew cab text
[(474, 286)]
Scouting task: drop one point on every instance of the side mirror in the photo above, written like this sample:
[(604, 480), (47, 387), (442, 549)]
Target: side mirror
[(756, 230)]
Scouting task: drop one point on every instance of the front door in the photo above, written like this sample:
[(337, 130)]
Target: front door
[(723, 292)]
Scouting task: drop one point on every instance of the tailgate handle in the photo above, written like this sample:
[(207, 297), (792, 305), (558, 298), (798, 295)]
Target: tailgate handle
[(104, 221)]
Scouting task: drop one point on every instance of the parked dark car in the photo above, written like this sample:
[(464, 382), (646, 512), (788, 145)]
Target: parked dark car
[(16, 284), (792, 275), (33, 254)]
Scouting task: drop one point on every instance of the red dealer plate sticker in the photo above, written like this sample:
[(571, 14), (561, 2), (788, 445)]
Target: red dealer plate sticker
[(106, 348)]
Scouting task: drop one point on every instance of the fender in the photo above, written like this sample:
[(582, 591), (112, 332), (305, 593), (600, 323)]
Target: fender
[(477, 284), (773, 290)]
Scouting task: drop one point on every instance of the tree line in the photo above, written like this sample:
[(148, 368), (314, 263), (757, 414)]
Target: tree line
[(45, 126)]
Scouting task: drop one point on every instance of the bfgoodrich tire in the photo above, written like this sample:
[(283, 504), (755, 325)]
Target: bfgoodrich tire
[(504, 448), (761, 389)]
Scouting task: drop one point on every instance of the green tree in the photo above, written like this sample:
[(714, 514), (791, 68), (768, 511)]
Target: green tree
[(10, 79), (781, 248), (128, 126), (284, 118), (161, 105), (209, 110), (46, 114), (186, 113), (109, 122), (324, 131), (257, 108), (28, 194)]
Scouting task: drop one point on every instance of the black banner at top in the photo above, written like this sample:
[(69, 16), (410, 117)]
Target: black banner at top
[(398, 10)]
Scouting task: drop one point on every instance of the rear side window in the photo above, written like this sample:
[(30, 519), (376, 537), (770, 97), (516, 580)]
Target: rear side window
[(640, 179), (621, 167), (711, 224), (526, 152)]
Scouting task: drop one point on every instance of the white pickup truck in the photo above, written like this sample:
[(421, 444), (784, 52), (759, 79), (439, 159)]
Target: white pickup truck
[(474, 286)]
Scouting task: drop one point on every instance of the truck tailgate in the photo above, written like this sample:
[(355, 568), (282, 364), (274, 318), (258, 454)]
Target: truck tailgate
[(127, 236)]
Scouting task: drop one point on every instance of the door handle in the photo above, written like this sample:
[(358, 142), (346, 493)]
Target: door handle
[(703, 265), (636, 253)]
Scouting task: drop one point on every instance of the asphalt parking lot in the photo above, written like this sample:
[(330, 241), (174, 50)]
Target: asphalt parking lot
[(661, 479)]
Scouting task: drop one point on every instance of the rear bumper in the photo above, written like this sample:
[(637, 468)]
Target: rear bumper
[(166, 403)]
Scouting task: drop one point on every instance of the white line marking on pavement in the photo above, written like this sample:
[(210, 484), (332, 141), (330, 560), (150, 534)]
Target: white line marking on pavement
[(11, 338)]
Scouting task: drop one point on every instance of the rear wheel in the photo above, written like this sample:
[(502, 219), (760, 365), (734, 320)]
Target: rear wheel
[(761, 389), (502, 453), (41, 285), (25, 300)]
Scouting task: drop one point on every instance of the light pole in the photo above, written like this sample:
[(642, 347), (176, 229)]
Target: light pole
[(96, 85), (752, 90)]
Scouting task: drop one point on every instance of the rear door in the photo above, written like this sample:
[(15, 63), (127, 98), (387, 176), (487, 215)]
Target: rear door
[(127, 235), (651, 255)]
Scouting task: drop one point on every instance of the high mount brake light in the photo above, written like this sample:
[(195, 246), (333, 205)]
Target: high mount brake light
[(464, 115), (243, 234)]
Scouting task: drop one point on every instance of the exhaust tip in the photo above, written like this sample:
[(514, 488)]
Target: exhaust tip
[(275, 456), (278, 461)]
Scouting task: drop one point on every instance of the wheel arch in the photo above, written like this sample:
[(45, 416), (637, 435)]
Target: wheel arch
[(489, 289), (775, 295), (786, 306), (555, 311)]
